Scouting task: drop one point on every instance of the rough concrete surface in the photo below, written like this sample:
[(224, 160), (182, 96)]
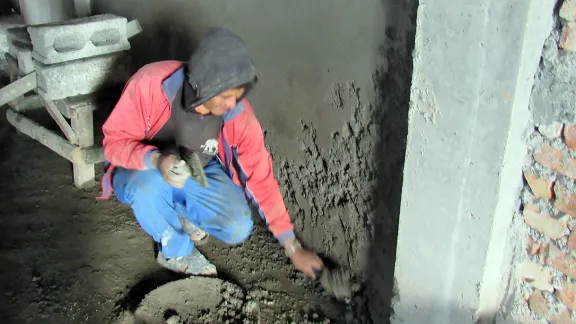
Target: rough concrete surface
[(7, 22), (79, 38), (20, 47), (84, 76), (332, 97), (554, 95)]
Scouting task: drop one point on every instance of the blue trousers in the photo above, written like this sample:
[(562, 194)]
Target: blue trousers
[(221, 209)]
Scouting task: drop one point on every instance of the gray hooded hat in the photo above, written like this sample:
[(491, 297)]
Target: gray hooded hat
[(221, 62)]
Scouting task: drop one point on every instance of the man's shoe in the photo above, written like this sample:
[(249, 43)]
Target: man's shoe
[(193, 264), (198, 235)]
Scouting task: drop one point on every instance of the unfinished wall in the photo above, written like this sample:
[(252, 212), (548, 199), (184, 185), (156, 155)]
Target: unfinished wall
[(474, 68), (332, 97), (546, 269)]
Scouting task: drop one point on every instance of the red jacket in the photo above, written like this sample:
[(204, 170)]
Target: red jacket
[(145, 106)]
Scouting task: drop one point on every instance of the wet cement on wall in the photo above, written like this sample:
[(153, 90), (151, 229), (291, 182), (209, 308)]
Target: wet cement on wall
[(332, 99)]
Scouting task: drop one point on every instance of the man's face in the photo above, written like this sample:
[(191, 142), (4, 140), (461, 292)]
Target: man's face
[(223, 102)]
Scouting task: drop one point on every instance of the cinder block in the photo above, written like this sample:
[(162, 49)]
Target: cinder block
[(18, 34), (79, 77), (20, 47), (79, 38), (133, 28), (7, 22), (13, 69), (24, 57)]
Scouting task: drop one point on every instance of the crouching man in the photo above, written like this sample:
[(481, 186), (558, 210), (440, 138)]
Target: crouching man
[(200, 106)]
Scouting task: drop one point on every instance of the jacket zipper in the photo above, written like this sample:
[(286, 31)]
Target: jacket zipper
[(148, 124)]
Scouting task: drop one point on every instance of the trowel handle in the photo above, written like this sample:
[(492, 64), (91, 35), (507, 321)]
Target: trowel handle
[(318, 272)]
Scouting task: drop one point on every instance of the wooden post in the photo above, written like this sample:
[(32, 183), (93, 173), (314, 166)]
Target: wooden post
[(55, 142), (60, 120), (44, 136), (83, 126), (26, 103), (13, 69), (17, 88)]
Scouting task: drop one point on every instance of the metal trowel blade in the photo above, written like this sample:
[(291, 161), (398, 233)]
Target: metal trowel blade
[(196, 168)]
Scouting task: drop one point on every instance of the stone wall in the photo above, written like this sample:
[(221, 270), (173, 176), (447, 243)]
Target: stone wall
[(546, 268)]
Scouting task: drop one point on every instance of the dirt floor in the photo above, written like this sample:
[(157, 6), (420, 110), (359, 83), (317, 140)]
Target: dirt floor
[(69, 258)]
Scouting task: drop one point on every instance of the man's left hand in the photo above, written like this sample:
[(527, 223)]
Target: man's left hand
[(307, 262)]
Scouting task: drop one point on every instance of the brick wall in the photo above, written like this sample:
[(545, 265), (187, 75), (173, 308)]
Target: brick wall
[(548, 272), (546, 269)]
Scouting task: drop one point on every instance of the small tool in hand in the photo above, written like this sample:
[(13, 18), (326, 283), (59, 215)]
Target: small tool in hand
[(335, 281), (193, 162)]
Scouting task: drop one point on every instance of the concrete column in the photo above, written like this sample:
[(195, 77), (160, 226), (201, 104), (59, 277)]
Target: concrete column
[(83, 8), (474, 67), (37, 12)]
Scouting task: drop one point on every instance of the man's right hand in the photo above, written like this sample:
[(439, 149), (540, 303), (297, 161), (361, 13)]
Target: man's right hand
[(173, 170)]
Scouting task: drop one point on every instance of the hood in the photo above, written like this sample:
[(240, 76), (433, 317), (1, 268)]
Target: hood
[(221, 62)]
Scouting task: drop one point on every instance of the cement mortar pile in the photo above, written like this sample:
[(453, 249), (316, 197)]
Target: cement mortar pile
[(192, 300)]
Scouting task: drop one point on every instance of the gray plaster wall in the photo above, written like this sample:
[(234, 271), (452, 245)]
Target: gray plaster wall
[(332, 98), (474, 68)]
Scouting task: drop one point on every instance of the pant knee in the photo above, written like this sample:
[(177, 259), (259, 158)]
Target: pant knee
[(139, 187), (238, 230)]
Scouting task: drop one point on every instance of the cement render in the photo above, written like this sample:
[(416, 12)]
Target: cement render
[(332, 99)]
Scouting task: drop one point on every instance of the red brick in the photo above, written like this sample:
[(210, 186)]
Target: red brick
[(535, 275), (555, 160), (568, 37), (570, 136), (568, 10), (567, 295), (544, 252), (565, 200), (561, 261), (538, 304), (572, 240), (531, 247), (552, 131), (543, 223), (542, 188), (563, 317)]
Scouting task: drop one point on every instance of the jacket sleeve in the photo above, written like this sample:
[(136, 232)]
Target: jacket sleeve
[(261, 187), (126, 127)]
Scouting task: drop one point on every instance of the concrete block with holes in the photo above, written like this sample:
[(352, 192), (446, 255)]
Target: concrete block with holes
[(20, 48), (58, 81), (78, 38)]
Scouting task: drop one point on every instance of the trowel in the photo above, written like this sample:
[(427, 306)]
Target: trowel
[(194, 165), (336, 281)]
